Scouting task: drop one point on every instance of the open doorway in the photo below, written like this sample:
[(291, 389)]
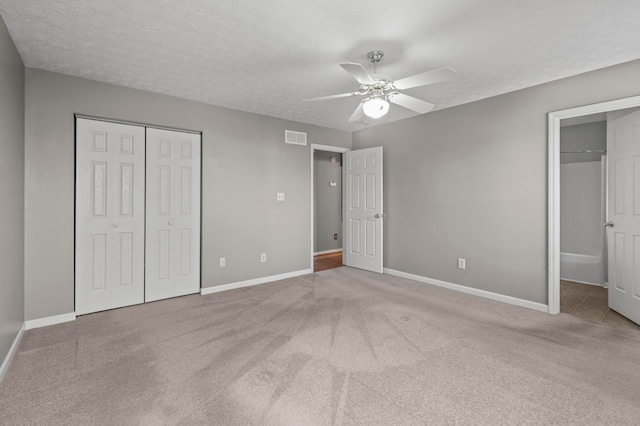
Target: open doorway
[(583, 245), (327, 229), (585, 193)]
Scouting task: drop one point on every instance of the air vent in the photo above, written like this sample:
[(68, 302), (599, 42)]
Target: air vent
[(295, 138)]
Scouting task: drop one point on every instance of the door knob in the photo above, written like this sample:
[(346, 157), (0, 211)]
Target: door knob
[(115, 225), (608, 224), (170, 222), (380, 216)]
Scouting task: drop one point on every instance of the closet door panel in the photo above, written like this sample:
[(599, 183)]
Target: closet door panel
[(109, 260), (173, 214)]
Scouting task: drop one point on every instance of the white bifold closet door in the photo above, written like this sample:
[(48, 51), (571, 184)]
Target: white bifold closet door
[(129, 251), (173, 214), (109, 266)]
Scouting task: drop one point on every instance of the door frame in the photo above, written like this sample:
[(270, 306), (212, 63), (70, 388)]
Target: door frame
[(553, 180), (327, 148)]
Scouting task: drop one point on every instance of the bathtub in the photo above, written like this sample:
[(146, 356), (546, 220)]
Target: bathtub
[(583, 268)]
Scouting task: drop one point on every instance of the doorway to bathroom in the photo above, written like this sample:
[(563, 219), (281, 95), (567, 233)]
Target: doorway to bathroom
[(583, 250), (594, 185)]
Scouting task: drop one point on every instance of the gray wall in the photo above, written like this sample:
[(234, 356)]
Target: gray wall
[(588, 136), (471, 182), (328, 201), (11, 192), (245, 162), (581, 192), (581, 208)]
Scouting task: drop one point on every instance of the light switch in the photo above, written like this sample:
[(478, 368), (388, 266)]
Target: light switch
[(462, 263), (333, 183), (280, 196)]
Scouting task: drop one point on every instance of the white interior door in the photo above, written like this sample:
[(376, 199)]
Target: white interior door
[(623, 212), (109, 238), (363, 209), (173, 214)]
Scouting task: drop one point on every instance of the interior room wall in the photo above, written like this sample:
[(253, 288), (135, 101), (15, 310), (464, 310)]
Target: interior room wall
[(471, 182), (245, 162), (11, 192), (328, 201)]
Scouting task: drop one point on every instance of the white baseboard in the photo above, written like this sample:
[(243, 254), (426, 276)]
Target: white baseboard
[(256, 281), (327, 252), (12, 351), (56, 319), (469, 290)]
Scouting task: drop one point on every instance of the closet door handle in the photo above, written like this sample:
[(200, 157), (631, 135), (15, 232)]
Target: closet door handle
[(170, 222), (608, 224)]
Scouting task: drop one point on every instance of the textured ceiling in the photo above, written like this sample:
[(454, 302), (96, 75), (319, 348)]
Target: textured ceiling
[(265, 57)]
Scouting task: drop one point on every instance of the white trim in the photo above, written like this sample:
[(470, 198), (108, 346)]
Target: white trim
[(318, 253), (248, 283), (328, 148), (44, 322), (469, 290), (12, 351), (553, 215), (135, 123)]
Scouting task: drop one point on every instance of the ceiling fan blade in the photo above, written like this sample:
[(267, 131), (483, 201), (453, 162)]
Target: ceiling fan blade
[(429, 77), (409, 102), (358, 113), (341, 95), (358, 72)]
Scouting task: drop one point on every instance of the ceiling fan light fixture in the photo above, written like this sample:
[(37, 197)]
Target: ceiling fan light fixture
[(375, 107), (381, 89)]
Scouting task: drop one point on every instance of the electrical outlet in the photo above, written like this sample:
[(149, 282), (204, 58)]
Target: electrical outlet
[(280, 196), (335, 236), (462, 263), (223, 262), (263, 257)]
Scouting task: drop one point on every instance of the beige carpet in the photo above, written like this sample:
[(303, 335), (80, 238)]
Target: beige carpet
[(338, 347)]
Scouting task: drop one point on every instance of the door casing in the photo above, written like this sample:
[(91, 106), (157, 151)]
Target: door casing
[(553, 181)]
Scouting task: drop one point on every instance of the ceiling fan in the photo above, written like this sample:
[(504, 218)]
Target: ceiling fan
[(380, 89)]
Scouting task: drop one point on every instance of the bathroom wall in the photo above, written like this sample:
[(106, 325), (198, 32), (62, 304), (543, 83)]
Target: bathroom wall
[(581, 208), (581, 191), (587, 136)]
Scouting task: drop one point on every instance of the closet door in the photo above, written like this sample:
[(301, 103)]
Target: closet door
[(109, 251), (173, 214)]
